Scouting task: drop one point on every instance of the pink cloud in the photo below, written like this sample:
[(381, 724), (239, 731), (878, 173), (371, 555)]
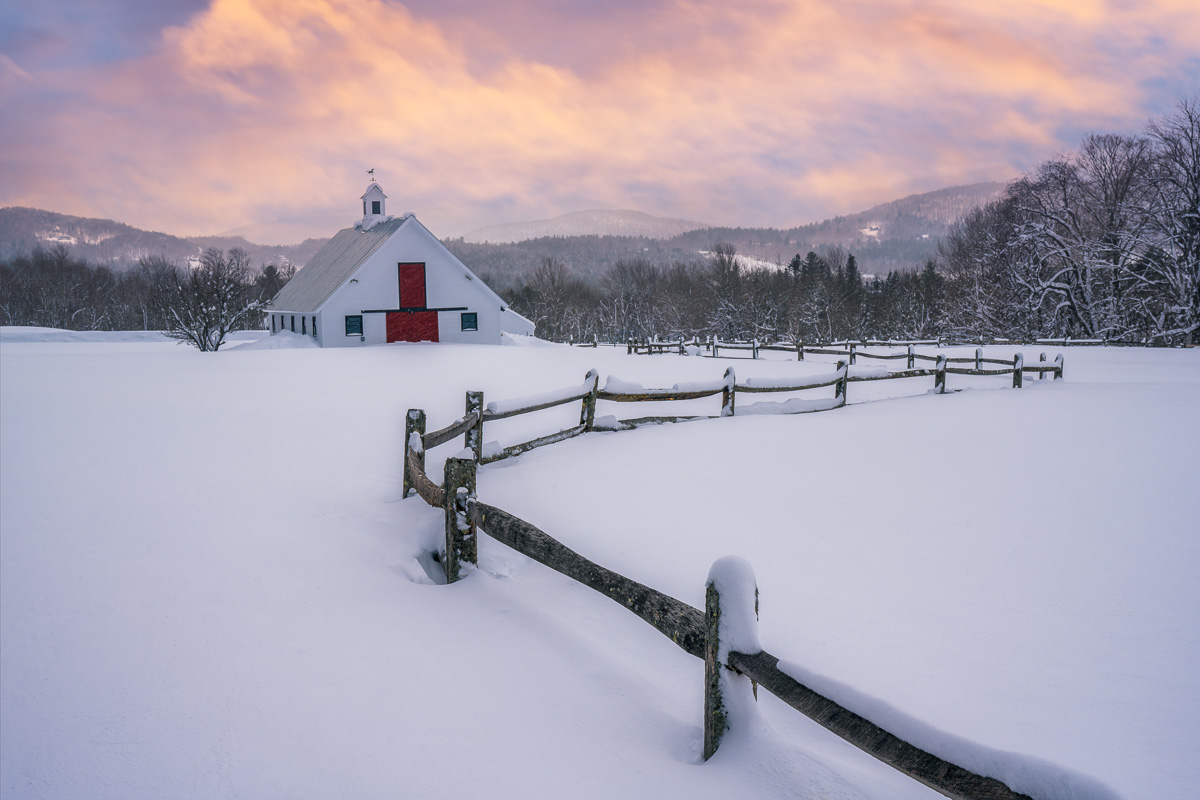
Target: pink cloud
[(750, 113)]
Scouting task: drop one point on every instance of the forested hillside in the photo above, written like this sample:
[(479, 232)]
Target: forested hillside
[(120, 246)]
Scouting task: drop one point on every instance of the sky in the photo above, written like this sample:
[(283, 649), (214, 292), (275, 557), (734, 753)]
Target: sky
[(196, 118)]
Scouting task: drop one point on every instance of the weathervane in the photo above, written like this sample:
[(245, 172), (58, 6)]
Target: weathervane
[(371, 172)]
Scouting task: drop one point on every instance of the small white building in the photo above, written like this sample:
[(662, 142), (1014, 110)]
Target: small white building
[(388, 279)]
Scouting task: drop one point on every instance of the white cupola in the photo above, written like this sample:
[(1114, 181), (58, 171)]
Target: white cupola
[(374, 204)]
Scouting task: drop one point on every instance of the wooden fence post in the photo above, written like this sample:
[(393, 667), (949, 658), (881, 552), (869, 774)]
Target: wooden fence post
[(461, 540), (839, 388), (587, 415), (728, 392), (473, 440), (799, 349), (1058, 367), (853, 355), (716, 344), (1018, 371), (414, 422), (754, 348), (910, 356), (939, 375), (978, 358), (1042, 363), (730, 625)]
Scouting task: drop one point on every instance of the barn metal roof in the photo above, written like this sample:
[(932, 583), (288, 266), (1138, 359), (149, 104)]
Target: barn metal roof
[(329, 268)]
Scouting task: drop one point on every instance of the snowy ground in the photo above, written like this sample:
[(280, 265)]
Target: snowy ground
[(209, 586)]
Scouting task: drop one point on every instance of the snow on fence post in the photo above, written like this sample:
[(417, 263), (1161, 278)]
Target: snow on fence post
[(1042, 363), (473, 439), (939, 375), (799, 349), (682, 351), (910, 356), (1058, 367), (754, 348), (839, 388), (414, 422), (1018, 370), (978, 358), (461, 539), (730, 625), (853, 355), (727, 392), (587, 415), (716, 344)]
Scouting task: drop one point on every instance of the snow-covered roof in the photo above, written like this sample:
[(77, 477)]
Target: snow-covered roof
[(333, 265), (372, 188)]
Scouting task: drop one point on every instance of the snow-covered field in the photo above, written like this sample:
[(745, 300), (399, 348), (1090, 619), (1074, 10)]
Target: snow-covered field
[(210, 587)]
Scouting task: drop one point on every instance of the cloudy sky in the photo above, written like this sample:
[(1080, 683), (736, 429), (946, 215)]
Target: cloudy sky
[(196, 117)]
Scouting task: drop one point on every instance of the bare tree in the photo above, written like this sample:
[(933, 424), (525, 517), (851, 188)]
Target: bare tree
[(205, 305)]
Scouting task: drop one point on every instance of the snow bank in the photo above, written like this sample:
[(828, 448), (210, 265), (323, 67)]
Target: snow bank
[(23, 334), (1025, 774), (521, 340), (794, 405), (284, 340), (12, 334)]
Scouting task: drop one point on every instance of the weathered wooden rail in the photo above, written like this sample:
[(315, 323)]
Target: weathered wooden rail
[(696, 632)]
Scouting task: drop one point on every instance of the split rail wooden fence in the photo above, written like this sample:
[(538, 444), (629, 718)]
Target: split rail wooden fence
[(691, 629), (710, 345)]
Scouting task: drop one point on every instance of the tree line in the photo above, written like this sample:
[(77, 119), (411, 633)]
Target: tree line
[(1103, 243), (817, 297), (200, 306)]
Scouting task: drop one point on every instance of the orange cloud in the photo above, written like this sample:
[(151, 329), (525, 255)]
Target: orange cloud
[(749, 113)]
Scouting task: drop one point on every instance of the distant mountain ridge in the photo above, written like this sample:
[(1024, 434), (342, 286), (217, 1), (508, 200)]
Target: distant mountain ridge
[(899, 234), (119, 246), (597, 222)]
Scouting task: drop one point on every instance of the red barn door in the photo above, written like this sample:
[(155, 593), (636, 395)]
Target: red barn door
[(412, 285), (412, 326), (417, 325)]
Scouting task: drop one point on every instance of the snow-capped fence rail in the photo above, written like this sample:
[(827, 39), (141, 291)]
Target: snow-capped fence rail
[(712, 346), (696, 632)]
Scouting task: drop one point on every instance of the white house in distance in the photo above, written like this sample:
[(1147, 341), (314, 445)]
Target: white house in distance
[(388, 279)]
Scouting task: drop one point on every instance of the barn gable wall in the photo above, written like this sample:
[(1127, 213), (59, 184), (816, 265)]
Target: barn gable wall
[(375, 285)]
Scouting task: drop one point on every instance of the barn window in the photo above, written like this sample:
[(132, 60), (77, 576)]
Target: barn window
[(304, 325), (375, 209), (293, 323), (470, 321), (354, 325), (314, 327), (272, 323)]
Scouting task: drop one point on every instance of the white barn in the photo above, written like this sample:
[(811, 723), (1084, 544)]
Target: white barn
[(388, 279)]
